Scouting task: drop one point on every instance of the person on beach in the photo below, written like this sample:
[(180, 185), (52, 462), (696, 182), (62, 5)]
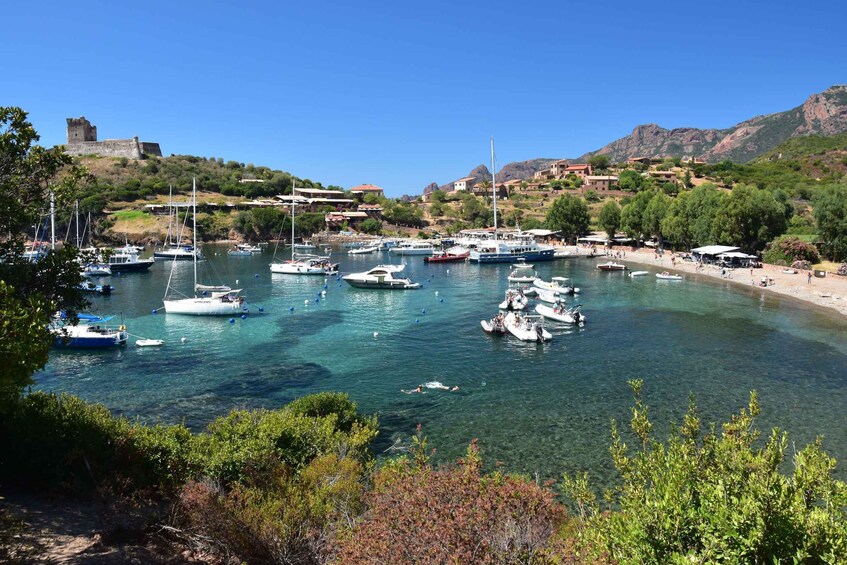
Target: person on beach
[(809, 278)]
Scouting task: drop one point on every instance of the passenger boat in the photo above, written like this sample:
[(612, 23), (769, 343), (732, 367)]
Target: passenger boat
[(562, 314), (89, 333), (526, 328), (381, 277), (666, 276), (611, 266), (453, 255), (515, 300), (510, 251), (413, 248), (557, 285)]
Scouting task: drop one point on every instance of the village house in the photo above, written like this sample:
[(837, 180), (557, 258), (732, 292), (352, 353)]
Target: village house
[(372, 210), (364, 189), (466, 183), (663, 176), (600, 182), (542, 175), (581, 170), (693, 161), (642, 160), (335, 220)]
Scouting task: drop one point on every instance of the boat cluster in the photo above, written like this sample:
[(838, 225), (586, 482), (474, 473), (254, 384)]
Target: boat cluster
[(528, 327)]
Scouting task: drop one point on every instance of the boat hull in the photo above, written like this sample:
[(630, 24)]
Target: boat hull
[(446, 258), (491, 257), (204, 307), (139, 266), (566, 316), (384, 285)]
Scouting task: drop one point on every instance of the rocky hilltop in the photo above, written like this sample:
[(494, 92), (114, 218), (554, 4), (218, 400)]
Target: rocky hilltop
[(822, 114)]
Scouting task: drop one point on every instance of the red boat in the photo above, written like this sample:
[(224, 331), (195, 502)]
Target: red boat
[(447, 257)]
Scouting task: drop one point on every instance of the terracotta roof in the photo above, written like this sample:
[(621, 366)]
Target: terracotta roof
[(366, 188), (577, 167), (465, 179)]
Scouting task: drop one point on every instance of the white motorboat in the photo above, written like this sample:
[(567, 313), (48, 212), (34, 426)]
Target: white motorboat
[(413, 248), (526, 328), (363, 250), (381, 277), (244, 250), (515, 300), (495, 325), (562, 314), (666, 276), (558, 285), (522, 273), (149, 342), (96, 270), (549, 296), (89, 286), (305, 246), (204, 302), (638, 274), (611, 266), (308, 266)]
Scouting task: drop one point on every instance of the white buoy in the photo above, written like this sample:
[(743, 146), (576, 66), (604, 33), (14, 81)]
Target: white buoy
[(376, 335), (305, 302), (448, 271), (323, 293), (236, 281), (183, 339), (436, 293)]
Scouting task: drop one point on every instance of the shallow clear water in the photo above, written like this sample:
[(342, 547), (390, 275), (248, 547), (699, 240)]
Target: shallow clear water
[(535, 408)]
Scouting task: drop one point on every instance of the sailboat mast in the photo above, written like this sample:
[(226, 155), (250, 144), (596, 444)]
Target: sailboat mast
[(194, 229), (292, 219), (76, 210), (52, 220), (494, 187)]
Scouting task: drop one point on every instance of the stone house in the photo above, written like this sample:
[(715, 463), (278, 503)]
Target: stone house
[(364, 189), (600, 182)]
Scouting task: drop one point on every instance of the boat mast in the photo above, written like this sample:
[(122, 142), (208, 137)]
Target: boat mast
[(292, 219), (194, 230), (52, 220), (76, 210), (494, 187)]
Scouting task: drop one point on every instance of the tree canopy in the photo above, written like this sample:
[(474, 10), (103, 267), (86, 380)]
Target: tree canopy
[(569, 216), (30, 291)]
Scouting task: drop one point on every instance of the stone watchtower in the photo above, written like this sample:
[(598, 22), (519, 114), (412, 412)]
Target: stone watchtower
[(80, 129)]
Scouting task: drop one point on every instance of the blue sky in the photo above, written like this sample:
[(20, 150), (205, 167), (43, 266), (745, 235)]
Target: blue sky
[(401, 94)]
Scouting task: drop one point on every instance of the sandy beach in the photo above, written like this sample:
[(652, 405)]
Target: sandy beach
[(829, 292)]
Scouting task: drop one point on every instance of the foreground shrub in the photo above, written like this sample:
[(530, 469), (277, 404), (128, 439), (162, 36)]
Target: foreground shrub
[(61, 442), (417, 514), (715, 498)]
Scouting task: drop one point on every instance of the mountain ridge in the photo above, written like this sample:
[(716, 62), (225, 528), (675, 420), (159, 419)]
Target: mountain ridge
[(823, 113)]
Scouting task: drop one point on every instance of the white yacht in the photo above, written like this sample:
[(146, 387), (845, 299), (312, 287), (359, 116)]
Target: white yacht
[(381, 276)]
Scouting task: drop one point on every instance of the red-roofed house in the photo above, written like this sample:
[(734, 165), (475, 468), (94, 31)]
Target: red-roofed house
[(580, 169), (364, 189)]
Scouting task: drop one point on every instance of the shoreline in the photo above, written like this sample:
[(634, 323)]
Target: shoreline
[(829, 292)]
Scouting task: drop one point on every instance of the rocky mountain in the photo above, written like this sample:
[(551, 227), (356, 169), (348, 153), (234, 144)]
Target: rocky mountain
[(822, 114)]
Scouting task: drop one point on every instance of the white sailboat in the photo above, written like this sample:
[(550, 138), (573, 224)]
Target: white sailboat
[(222, 301), (302, 264)]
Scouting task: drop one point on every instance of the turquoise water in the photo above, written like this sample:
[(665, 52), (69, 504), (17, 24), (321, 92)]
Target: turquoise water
[(535, 408)]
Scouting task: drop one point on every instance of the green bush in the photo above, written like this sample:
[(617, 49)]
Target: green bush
[(787, 249), (713, 497)]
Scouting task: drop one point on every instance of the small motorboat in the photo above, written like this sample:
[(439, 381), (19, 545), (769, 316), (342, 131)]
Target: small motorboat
[(149, 342), (453, 255), (515, 300), (244, 250), (558, 285), (88, 286), (96, 270), (666, 276), (522, 273), (363, 250), (526, 328), (548, 296), (562, 314), (638, 274), (611, 266), (494, 326)]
